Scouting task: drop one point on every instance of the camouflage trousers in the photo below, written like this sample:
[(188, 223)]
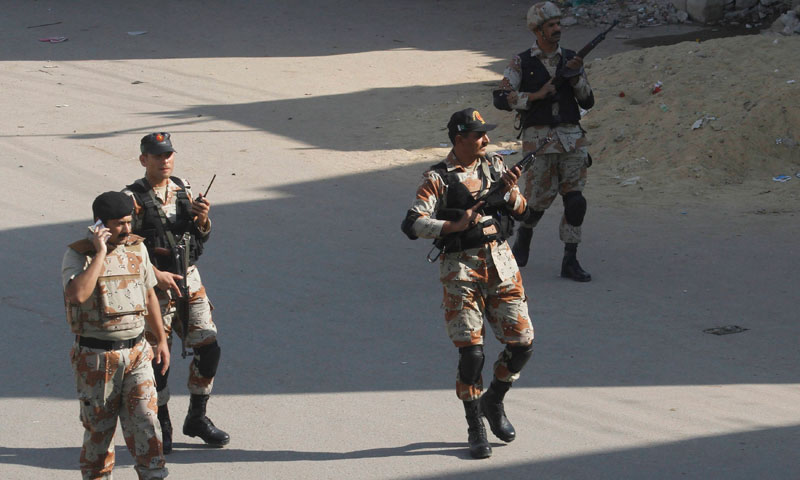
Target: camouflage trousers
[(552, 174), (505, 307), (202, 330), (118, 384)]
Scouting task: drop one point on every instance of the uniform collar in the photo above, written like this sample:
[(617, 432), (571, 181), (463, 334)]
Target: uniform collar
[(452, 163), (537, 52)]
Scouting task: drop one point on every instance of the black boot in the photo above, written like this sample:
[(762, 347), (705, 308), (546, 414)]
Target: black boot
[(478, 444), (570, 268), (493, 410), (198, 425), (166, 428), (522, 245)]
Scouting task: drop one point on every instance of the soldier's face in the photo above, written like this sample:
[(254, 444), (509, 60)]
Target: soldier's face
[(475, 143), (119, 228), (550, 31), (158, 166)]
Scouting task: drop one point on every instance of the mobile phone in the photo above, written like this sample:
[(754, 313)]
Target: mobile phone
[(97, 224)]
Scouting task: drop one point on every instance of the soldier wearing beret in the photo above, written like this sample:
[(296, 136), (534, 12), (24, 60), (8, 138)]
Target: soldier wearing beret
[(108, 291), (168, 218), (477, 269), (548, 110)]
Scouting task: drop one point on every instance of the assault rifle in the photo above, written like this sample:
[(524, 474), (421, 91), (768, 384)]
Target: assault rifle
[(565, 73), (562, 75), (181, 261), (494, 197)]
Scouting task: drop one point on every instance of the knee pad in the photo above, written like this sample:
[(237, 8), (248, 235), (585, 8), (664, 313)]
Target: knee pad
[(574, 208), (518, 356), (206, 359), (470, 364)]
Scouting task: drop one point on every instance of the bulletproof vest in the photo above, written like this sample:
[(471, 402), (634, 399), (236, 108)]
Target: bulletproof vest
[(157, 230), (459, 197), (534, 76), (118, 302)]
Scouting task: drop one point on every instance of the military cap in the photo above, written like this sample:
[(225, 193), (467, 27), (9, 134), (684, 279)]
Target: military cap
[(156, 143), (467, 120), (542, 12), (112, 205)]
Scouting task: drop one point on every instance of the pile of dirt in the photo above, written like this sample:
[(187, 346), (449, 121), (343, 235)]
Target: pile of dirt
[(727, 111)]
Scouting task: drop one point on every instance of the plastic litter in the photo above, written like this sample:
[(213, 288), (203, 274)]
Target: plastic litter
[(702, 121), (797, 174), (444, 144), (663, 107), (630, 181), (791, 81), (621, 94), (781, 178), (506, 152), (656, 87), (137, 32), (53, 39)]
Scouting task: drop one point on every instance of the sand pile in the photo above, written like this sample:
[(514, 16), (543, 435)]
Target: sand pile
[(728, 112)]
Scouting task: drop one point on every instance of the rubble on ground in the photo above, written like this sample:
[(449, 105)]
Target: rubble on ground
[(650, 13)]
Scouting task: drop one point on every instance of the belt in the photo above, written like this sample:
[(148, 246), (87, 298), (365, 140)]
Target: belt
[(90, 342)]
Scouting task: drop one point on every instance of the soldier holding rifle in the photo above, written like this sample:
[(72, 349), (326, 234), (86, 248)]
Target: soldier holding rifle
[(477, 269), (175, 228), (546, 85)]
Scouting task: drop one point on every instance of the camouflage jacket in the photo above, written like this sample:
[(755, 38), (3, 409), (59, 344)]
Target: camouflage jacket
[(116, 308), (472, 264)]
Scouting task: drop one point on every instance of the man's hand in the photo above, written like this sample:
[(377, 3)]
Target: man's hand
[(161, 354), (510, 178), (544, 92), (200, 208), (466, 221), (99, 239), (168, 281), (575, 63)]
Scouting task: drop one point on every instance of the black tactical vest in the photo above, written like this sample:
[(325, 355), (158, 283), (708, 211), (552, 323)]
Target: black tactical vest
[(459, 197), (156, 233), (534, 76)]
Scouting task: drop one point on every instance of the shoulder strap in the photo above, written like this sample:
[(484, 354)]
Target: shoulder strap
[(177, 181), (84, 246), (150, 203)]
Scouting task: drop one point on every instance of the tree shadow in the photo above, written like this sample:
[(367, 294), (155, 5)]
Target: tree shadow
[(763, 453), (341, 301)]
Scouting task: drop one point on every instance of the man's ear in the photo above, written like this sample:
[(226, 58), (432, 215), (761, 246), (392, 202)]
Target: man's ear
[(143, 160)]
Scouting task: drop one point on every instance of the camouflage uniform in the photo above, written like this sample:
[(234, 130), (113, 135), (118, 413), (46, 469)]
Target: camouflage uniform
[(202, 330), (561, 166), (477, 281), (117, 383)]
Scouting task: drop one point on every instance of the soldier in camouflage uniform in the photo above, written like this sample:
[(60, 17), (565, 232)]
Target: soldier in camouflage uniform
[(549, 110), (108, 290), (164, 212), (477, 270)]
